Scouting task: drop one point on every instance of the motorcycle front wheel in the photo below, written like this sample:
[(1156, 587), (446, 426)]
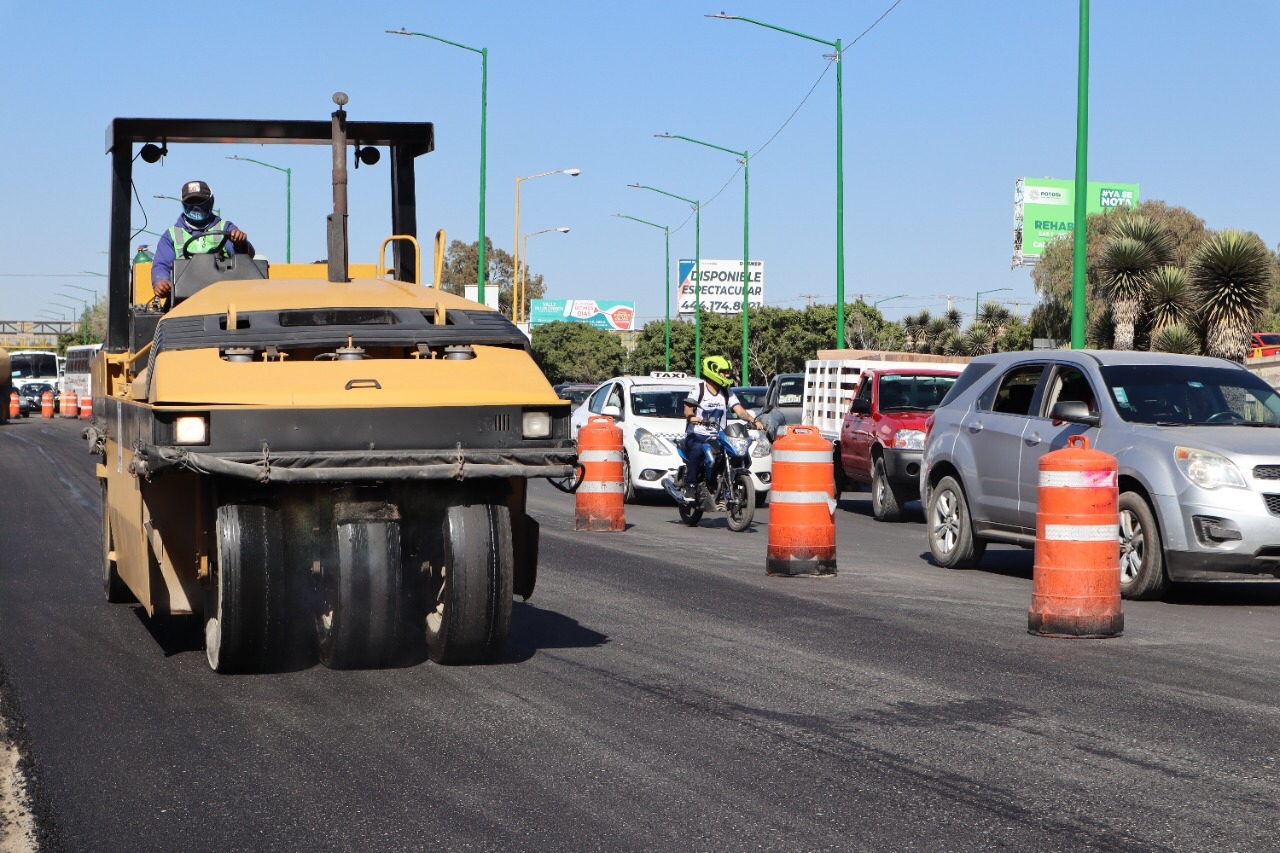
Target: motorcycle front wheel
[(742, 503)]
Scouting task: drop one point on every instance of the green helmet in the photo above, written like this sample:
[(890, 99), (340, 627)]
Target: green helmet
[(716, 368)]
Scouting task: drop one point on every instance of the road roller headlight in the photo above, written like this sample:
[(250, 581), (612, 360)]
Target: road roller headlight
[(537, 424), (1208, 470), (909, 439), (191, 429)]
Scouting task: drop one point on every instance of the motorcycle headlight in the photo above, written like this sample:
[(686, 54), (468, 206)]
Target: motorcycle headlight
[(1208, 470), (761, 448), (909, 439), (650, 443), (738, 444)]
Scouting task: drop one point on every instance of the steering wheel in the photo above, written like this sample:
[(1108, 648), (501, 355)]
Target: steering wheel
[(186, 247), (1222, 417)]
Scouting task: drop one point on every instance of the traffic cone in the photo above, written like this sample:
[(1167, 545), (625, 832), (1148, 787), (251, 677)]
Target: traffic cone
[(601, 493), (802, 505), (1077, 570)]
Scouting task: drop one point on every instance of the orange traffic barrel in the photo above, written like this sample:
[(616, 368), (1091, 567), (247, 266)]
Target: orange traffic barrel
[(802, 505), (86, 407), (1077, 570), (70, 407), (601, 492), (46, 404), (15, 407)]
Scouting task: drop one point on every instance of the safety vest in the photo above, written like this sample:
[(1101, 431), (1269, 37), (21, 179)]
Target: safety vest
[(202, 245)]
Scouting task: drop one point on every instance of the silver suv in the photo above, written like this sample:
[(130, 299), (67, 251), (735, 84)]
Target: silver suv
[(1197, 441)]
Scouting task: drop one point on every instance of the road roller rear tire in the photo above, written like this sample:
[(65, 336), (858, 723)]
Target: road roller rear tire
[(469, 583), (360, 623), (112, 584), (247, 600)]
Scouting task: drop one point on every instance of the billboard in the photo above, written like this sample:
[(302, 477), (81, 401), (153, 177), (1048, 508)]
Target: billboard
[(721, 286), (614, 316), (1044, 208)]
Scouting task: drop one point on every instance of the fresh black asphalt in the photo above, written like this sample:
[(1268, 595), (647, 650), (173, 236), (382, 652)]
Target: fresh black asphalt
[(659, 692)]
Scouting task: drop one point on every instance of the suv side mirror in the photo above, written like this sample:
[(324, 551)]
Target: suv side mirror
[(860, 406), (1075, 412)]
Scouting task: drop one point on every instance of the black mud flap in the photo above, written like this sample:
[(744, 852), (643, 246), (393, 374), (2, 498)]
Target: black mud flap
[(524, 536)]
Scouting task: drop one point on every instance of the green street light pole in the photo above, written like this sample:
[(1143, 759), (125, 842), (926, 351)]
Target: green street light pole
[(839, 60), (481, 269), (288, 204), (1082, 184), (886, 299), (746, 236), (982, 293), (666, 234), (697, 271)]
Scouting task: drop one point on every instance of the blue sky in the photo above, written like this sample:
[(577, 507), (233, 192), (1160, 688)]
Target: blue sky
[(945, 105)]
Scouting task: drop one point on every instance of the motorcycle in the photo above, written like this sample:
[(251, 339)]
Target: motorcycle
[(727, 486)]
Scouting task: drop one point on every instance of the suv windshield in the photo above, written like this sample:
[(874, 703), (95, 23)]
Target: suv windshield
[(659, 402), (1170, 394), (913, 393)]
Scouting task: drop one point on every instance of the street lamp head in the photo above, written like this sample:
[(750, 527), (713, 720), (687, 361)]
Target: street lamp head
[(722, 16), (573, 173), (400, 32), (563, 230), (663, 136), (636, 186)]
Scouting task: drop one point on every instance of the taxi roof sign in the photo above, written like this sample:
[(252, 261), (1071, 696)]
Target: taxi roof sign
[(667, 374)]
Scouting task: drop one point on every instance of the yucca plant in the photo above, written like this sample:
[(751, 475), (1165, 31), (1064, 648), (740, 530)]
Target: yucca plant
[(1169, 298), (949, 342), (923, 319), (1230, 275), (1176, 338), (954, 318), (979, 340), (934, 332), (1124, 266), (994, 316), (1147, 231), (1099, 332), (910, 332)]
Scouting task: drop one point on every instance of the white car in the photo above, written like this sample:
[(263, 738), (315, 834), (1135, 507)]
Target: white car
[(650, 411)]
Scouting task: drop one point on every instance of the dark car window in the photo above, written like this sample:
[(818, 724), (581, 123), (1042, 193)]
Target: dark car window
[(1069, 384), (912, 393), (790, 391), (971, 374), (1191, 394), (658, 402), (597, 400), (1014, 392)]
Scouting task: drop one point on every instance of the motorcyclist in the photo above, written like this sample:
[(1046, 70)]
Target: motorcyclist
[(705, 412)]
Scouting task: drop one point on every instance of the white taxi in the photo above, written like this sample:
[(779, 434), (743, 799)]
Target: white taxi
[(650, 411)]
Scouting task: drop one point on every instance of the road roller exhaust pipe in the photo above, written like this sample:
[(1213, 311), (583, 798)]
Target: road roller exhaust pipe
[(337, 233)]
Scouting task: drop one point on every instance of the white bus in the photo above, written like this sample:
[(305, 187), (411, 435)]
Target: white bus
[(79, 364), (26, 366)]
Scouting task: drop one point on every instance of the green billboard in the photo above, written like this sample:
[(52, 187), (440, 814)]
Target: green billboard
[(1044, 208)]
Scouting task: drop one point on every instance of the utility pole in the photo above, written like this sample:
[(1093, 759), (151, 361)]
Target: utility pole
[(809, 297)]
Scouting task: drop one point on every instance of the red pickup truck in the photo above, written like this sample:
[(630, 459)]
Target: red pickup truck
[(882, 436)]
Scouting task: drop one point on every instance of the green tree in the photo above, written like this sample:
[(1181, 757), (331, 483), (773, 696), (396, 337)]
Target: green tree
[(1231, 274), (459, 270), (1015, 335), (577, 352)]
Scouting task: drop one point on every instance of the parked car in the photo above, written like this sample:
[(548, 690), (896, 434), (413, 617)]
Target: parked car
[(650, 410), (1197, 441), (751, 397), (783, 402), (1264, 343), (575, 392), (882, 437)]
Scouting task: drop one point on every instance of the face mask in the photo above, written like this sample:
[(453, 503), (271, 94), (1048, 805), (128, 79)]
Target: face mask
[(198, 213)]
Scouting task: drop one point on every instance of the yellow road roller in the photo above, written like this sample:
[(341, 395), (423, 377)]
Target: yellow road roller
[(321, 461)]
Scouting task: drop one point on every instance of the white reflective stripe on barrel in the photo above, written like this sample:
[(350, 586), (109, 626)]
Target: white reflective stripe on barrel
[(1082, 532), (600, 456), (596, 486), (778, 497), (823, 456), (1078, 479)]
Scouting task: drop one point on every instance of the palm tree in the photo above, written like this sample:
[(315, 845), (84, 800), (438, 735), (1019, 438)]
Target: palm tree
[(1124, 266), (1176, 338), (1169, 298), (1230, 275)]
